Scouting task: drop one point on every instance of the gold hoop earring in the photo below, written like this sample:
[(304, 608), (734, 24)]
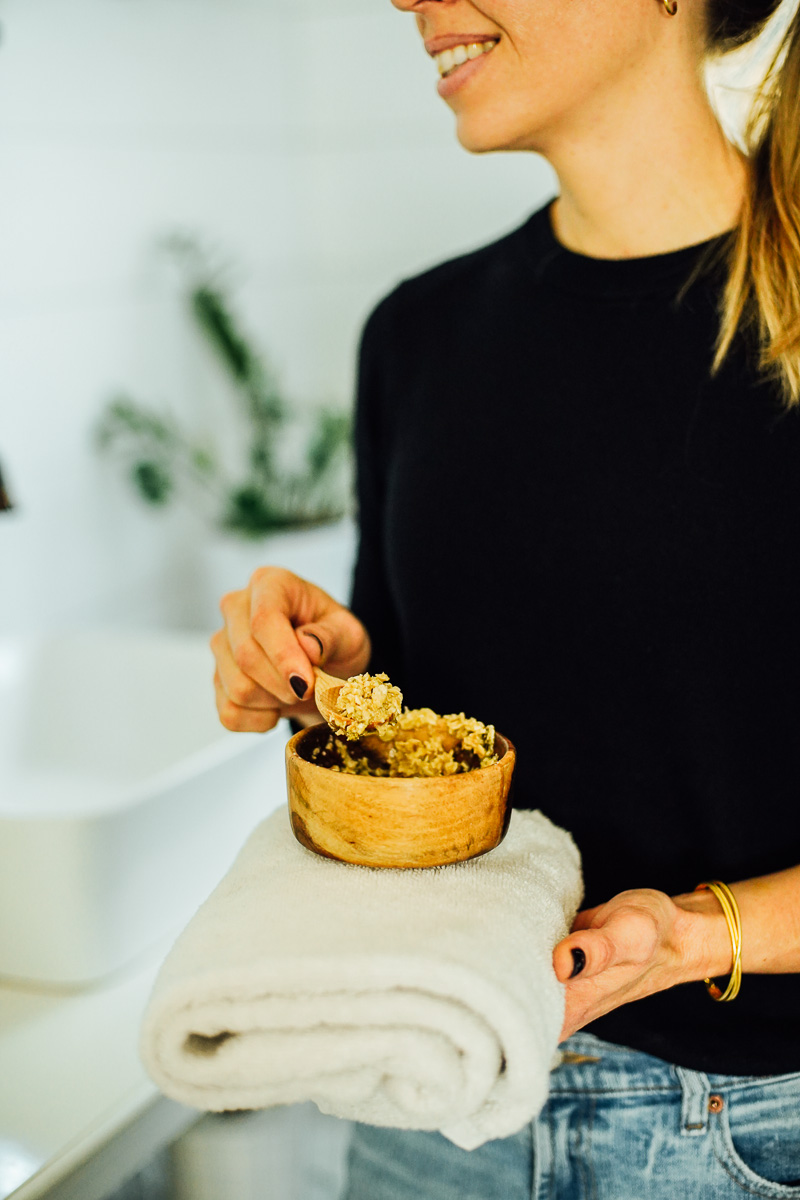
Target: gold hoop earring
[(671, 6)]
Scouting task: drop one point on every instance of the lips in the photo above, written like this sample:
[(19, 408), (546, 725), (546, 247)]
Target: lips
[(447, 41), (450, 61)]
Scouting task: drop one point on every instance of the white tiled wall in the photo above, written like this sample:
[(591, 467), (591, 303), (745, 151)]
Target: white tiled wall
[(304, 141)]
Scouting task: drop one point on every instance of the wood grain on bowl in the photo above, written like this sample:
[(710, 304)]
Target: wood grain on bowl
[(380, 822)]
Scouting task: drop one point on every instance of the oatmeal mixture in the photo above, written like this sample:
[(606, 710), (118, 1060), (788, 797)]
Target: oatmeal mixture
[(367, 702), (419, 742)]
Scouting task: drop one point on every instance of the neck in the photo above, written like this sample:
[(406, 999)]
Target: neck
[(652, 177)]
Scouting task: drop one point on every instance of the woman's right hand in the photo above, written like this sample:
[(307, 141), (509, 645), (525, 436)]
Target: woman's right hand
[(276, 631)]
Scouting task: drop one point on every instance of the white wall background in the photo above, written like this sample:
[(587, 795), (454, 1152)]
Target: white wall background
[(305, 141)]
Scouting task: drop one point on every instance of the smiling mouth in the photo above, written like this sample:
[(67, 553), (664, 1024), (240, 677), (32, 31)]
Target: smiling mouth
[(449, 60)]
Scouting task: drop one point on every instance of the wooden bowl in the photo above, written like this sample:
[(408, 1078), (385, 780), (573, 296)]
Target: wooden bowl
[(379, 822)]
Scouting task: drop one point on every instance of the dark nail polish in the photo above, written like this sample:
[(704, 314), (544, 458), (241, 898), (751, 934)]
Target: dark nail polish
[(306, 633), (578, 960), (299, 686)]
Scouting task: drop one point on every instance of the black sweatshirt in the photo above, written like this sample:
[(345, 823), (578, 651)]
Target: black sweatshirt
[(569, 530)]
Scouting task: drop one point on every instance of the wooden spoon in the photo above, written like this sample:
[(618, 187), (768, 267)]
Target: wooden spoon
[(326, 696)]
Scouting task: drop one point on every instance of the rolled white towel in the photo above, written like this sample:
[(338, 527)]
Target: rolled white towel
[(419, 999)]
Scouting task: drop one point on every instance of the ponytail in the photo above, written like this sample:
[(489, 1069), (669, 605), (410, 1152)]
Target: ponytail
[(762, 292)]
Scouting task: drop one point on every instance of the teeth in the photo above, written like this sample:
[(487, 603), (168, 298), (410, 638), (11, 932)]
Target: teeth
[(448, 60)]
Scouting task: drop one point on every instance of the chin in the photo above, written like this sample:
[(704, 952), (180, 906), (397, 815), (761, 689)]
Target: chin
[(481, 135), (477, 143)]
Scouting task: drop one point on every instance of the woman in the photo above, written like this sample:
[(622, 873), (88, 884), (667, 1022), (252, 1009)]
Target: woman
[(578, 469)]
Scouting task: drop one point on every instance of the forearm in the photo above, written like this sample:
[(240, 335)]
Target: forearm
[(770, 913)]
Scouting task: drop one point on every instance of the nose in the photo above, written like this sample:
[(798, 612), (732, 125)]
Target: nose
[(419, 6)]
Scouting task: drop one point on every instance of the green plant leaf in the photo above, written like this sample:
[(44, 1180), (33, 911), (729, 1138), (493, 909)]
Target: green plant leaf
[(203, 461), (163, 460), (250, 511), (247, 367), (333, 432), (213, 316), (153, 481), (123, 418)]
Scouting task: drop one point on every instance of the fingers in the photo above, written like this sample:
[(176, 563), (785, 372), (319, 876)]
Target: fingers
[(586, 955), (250, 694), (242, 659), (585, 918), (267, 649), (299, 626), (339, 643), (275, 631), (627, 936), (240, 688), (240, 719), (622, 951)]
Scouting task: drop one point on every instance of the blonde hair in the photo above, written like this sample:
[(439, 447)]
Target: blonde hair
[(761, 295)]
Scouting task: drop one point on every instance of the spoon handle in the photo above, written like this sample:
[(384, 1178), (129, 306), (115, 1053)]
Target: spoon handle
[(326, 693)]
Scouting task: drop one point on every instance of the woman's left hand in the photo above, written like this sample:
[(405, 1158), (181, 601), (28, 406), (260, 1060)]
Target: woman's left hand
[(638, 943)]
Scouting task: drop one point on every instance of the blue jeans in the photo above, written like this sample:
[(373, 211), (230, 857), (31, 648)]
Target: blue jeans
[(618, 1125)]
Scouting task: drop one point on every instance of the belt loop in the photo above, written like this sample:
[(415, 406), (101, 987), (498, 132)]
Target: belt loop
[(694, 1106)]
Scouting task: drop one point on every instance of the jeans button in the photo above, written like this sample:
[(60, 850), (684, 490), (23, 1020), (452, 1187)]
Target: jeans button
[(715, 1104)]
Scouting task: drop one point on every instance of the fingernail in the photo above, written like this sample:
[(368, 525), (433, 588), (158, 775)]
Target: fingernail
[(578, 960), (316, 639), (299, 685)]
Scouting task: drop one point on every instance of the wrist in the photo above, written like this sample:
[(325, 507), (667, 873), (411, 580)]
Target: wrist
[(704, 943)]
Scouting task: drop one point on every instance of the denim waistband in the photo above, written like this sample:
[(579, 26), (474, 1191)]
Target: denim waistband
[(591, 1064)]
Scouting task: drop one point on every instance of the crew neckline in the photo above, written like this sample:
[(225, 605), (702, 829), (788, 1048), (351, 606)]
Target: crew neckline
[(572, 271)]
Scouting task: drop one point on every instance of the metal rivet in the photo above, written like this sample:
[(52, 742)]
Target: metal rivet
[(715, 1104)]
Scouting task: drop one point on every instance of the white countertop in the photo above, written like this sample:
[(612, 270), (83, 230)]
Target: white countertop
[(71, 1076)]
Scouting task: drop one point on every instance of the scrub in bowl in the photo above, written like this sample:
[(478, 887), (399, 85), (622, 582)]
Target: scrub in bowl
[(422, 790)]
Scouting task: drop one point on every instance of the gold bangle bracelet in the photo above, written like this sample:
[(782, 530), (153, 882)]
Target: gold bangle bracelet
[(734, 921)]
